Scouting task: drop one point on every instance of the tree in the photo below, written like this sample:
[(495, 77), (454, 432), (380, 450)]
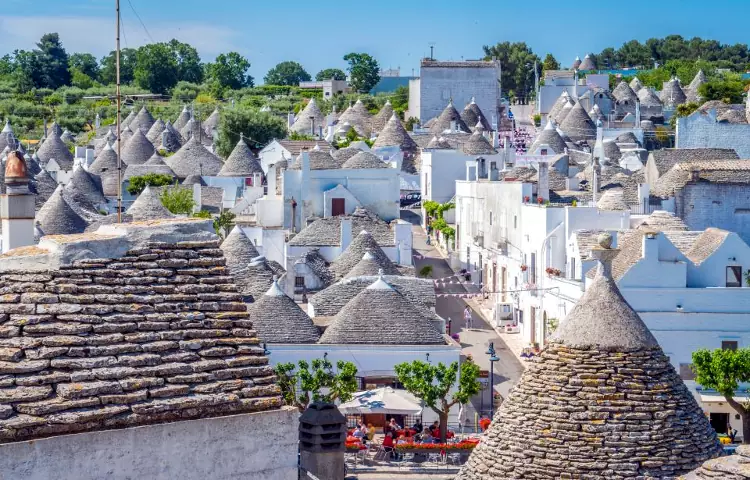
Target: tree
[(138, 184), (330, 74), (229, 71), (317, 382), (259, 127), (224, 223), (28, 72), (80, 79), (400, 99), (550, 63), (517, 60), (54, 61), (189, 66), (156, 68), (287, 73), (128, 62), (727, 90), (433, 384), (85, 63), (364, 71), (178, 200), (723, 371)]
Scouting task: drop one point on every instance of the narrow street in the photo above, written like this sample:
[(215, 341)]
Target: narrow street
[(475, 341)]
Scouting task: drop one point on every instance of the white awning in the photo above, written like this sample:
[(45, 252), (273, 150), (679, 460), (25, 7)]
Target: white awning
[(384, 400)]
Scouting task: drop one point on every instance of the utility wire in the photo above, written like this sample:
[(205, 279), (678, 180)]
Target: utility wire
[(142, 24)]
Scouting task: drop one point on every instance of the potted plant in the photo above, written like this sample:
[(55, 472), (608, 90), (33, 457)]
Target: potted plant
[(526, 199), (484, 423), (524, 268), (540, 200)]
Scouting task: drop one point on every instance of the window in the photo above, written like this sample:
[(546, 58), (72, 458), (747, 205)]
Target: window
[(490, 218), (729, 344), (734, 276), (532, 269), (299, 282), (515, 221), (573, 268), (543, 152)]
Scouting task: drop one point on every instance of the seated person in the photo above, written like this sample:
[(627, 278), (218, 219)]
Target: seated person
[(418, 426), (358, 433), (393, 425), (427, 437), (370, 431)]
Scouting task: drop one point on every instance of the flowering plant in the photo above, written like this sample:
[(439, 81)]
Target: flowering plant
[(436, 446), (524, 268), (526, 199), (539, 200), (485, 423), (553, 272)]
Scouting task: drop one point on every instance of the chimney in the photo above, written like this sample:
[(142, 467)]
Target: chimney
[(637, 113), (312, 125), (271, 180), (98, 122), (542, 184), (17, 205), (346, 232), (164, 138), (453, 126), (305, 161), (197, 197), (643, 194), (650, 246)]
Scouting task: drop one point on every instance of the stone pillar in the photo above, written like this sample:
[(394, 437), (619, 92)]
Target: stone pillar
[(16, 205), (322, 437)]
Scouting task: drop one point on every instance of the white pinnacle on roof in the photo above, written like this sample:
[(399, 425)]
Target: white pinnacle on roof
[(275, 290), (7, 128), (379, 284)]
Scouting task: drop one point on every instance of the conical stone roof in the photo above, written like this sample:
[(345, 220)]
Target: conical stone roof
[(193, 130), (154, 133), (138, 149), (578, 125), (362, 243), (238, 249), (127, 134), (108, 139), (371, 265), (394, 134), (303, 124), (382, 117), (55, 148), (564, 111), (477, 144), (379, 315), (241, 162), (472, 115), (359, 118), (692, 90), (85, 187), (562, 100), (576, 63), (443, 121), (54, 129), (105, 165), (672, 93), (212, 122), (550, 137), (648, 98), (595, 113), (67, 137), (182, 119), (143, 121), (7, 137), (194, 180), (171, 141), (612, 200), (155, 160), (43, 185), (439, 143), (278, 319), (601, 401), (635, 84), (587, 63), (623, 92), (127, 120), (57, 217), (194, 159), (148, 206), (364, 160)]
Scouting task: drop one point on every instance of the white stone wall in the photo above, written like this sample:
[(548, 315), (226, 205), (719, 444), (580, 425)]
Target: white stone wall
[(702, 131), (439, 84), (255, 445), (724, 206)]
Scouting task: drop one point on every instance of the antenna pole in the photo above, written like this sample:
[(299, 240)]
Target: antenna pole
[(119, 117)]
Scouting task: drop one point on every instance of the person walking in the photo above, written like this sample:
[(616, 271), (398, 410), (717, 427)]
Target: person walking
[(467, 317)]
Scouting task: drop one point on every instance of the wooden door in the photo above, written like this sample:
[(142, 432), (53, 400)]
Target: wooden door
[(338, 207)]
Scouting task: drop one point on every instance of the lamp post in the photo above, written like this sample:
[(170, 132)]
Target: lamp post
[(493, 359)]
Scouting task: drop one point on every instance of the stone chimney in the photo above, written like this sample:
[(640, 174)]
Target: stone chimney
[(16, 205), (650, 246), (542, 184), (346, 232)]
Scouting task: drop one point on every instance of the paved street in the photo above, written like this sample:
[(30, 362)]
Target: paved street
[(475, 341)]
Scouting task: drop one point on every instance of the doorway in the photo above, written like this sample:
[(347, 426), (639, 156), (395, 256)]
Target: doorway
[(532, 320), (719, 422), (338, 207), (503, 282)]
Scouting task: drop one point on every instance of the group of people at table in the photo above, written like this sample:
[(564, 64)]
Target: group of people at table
[(395, 434)]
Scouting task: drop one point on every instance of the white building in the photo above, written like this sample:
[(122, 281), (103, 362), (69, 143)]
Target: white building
[(439, 82), (684, 284)]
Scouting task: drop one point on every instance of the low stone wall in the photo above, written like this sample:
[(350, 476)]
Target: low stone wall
[(250, 446)]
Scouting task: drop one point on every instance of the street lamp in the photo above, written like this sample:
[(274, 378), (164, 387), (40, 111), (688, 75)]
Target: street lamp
[(493, 358)]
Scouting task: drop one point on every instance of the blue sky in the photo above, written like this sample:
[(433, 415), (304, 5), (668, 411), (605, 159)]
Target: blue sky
[(397, 33)]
